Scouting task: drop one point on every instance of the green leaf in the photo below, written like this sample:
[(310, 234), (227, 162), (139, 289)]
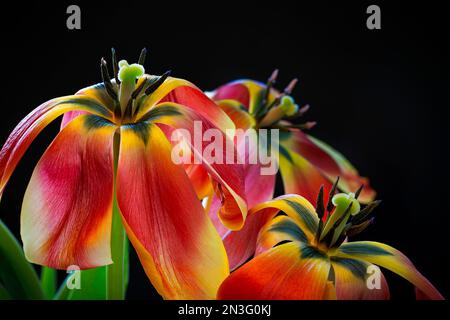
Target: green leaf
[(48, 281), (4, 295), (17, 275)]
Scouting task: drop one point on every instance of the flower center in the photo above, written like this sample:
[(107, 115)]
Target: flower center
[(128, 76), (269, 113), (345, 217), (129, 87)]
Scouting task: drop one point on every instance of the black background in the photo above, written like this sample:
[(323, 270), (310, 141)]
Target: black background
[(381, 97)]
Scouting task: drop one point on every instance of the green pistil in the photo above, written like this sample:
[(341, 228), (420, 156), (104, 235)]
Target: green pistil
[(128, 74), (342, 202), (288, 106)]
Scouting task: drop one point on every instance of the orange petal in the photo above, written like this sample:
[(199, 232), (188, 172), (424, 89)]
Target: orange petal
[(179, 248), (290, 271)]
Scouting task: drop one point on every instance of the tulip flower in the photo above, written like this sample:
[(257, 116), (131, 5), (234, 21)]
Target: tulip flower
[(112, 152), (299, 256), (305, 162)]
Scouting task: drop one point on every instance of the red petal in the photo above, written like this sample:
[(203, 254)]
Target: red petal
[(25, 132), (180, 250), (66, 212)]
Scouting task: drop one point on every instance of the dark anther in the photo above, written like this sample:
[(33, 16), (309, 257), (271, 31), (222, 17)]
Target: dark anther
[(141, 60), (155, 85), (358, 192), (356, 229), (364, 213), (330, 205), (270, 82), (138, 90), (303, 126), (290, 86), (303, 110), (115, 65), (319, 205), (128, 109), (106, 80)]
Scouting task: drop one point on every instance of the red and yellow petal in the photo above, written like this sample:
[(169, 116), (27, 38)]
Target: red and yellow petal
[(247, 92), (240, 245), (259, 187), (186, 94), (200, 180), (299, 209), (66, 211), (236, 91), (240, 117), (350, 278), (330, 162), (178, 246), (228, 177), (387, 257), (27, 130), (301, 177), (290, 271), (99, 94)]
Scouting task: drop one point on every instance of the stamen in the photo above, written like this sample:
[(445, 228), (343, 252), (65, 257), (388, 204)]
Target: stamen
[(106, 80), (364, 213), (115, 66), (303, 110), (319, 203), (320, 210), (138, 90), (356, 229), (273, 77), (263, 105), (358, 192), (304, 126), (142, 56), (330, 205), (155, 85), (290, 87)]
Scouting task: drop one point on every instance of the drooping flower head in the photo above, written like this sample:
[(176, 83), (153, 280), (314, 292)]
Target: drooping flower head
[(306, 163), (112, 145), (300, 256)]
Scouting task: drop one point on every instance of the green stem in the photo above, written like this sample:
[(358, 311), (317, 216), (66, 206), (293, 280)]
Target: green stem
[(116, 272)]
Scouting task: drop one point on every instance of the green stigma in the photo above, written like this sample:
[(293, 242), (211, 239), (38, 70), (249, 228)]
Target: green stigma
[(288, 106), (129, 73), (343, 200)]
